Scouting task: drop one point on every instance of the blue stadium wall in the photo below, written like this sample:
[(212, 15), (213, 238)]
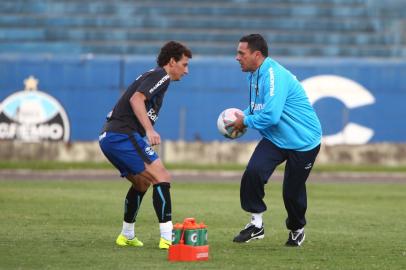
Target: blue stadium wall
[(88, 87)]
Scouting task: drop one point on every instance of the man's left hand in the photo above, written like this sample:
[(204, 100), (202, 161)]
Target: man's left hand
[(238, 124)]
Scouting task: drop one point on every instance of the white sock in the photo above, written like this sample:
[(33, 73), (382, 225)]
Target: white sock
[(256, 219), (128, 230), (166, 230)]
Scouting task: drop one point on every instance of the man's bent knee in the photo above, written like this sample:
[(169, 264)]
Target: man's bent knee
[(140, 182), (158, 171)]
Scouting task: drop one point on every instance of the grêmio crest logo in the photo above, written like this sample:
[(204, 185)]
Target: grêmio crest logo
[(33, 116)]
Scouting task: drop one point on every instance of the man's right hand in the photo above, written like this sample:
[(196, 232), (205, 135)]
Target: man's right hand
[(153, 137)]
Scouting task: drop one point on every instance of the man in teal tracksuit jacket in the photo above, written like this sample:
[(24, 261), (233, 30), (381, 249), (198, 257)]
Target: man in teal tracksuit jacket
[(280, 110)]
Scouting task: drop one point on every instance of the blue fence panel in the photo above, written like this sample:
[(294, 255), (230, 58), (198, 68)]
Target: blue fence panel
[(385, 80), (86, 87), (89, 87)]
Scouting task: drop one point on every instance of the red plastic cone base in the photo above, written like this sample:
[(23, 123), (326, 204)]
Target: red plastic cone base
[(186, 253)]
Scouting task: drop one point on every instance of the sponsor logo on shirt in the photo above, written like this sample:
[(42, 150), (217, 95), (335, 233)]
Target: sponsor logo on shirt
[(152, 114), (257, 106), (161, 81), (271, 82)]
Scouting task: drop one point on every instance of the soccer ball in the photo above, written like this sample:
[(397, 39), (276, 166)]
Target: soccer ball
[(226, 117)]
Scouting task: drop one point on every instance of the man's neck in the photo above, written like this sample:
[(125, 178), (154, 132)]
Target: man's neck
[(167, 69), (259, 64)]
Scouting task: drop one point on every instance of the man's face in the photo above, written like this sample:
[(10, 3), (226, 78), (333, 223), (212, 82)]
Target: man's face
[(246, 58), (178, 69)]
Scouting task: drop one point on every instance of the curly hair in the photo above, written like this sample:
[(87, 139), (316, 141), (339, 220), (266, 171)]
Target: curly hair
[(172, 49)]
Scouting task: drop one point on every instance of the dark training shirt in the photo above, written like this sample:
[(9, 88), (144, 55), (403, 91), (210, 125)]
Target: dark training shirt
[(153, 84)]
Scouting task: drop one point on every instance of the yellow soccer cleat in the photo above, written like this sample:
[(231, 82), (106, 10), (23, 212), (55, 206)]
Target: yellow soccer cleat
[(164, 244), (124, 241)]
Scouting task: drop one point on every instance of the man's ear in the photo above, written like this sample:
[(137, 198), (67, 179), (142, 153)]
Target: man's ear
[(258, 54), (172, 61)]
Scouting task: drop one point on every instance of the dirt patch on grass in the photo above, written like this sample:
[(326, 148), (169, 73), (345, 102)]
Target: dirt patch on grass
[(199, 176)]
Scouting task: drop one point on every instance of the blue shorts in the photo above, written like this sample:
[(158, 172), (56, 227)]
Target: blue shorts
[(127, 152)]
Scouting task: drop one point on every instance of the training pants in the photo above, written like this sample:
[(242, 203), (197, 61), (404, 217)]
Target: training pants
[(261, 166)]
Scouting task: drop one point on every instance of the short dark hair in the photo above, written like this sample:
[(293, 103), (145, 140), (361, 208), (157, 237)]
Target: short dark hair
[(172, 49), (256, 43)]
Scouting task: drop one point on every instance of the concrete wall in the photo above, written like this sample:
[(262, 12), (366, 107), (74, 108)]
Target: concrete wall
[(203, 153)]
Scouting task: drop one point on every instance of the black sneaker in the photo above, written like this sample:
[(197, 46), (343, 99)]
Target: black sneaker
[(250, 232), (296, 238)]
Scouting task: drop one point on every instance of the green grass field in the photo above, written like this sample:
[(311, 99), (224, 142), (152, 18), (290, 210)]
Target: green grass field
[(73, 225)]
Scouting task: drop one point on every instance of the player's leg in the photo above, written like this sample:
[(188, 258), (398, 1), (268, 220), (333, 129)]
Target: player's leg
[(132, 203), (127, 154), (160, 178), (134, 155), (162, 200), (297, 170), (260, 167)]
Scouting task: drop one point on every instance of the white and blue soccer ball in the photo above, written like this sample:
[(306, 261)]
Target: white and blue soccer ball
[(226, 117)]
